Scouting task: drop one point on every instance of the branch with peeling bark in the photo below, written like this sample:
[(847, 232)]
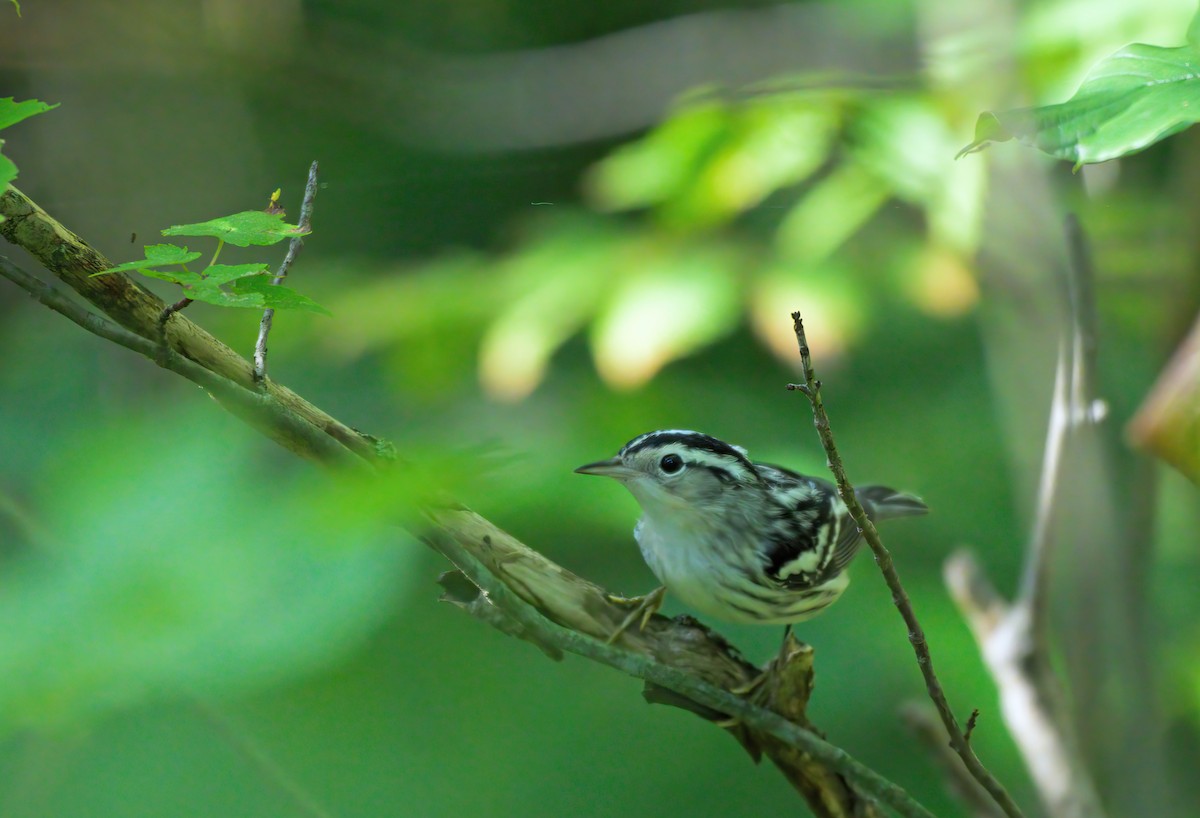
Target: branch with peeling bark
[(502, 581), (1013, 637)]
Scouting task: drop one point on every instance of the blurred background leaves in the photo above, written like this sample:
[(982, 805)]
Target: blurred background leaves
[(544, 229)]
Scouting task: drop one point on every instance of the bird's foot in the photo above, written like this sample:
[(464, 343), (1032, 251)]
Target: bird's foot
[(644, 607)]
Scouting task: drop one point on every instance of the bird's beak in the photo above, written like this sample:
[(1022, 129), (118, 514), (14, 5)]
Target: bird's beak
[(612, 467)]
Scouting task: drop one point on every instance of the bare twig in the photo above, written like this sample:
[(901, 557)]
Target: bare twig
[(916, 635), (1014, 638), (972, 720), (305, 225), (168, 311)]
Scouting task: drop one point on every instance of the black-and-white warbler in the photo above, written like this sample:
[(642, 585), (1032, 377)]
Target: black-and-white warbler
[(738, 540)]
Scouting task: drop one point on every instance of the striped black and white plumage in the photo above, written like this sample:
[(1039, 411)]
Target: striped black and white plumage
[(738, 540)]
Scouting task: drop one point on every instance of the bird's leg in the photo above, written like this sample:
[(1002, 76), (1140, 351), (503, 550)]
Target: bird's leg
[(750, 687), (644, 607), (787, 631)]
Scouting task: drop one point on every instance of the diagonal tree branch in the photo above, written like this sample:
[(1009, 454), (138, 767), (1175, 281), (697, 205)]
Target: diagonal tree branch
[(525, 593), (137, 309), (916, 635)]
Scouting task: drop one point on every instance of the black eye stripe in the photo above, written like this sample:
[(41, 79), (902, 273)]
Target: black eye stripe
[(724, 475)]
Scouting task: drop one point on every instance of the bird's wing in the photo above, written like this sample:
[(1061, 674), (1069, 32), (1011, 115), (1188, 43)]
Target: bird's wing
[(805, 528)]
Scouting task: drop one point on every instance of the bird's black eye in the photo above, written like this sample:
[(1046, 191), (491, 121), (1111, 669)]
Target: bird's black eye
[(671, 463)]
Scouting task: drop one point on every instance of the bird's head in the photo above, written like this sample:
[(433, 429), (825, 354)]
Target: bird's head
[(679, 470)]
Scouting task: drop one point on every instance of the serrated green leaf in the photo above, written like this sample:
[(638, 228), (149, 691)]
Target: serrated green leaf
[(209, 288), (252, 227), (1130, 100), (276, 296), (157, 255), (218, 274), (12, 112), (224, 298)]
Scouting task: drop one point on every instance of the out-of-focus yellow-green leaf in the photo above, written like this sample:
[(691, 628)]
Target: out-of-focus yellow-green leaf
[(1168, 423), (671, 304), (830, 301), (559, 284), (711, 161), (660, 166), (940, 283), (831, 212)]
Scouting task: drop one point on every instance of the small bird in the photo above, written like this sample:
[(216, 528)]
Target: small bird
[(738, 540)]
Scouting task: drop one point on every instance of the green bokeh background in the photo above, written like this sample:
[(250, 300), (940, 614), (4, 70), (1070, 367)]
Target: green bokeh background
[(189, 616)]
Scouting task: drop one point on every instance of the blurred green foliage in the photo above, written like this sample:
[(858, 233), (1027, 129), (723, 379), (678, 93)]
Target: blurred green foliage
[(504, 316)]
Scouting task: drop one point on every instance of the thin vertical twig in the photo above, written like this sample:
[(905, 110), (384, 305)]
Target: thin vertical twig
[(916, 634), (305, 225)]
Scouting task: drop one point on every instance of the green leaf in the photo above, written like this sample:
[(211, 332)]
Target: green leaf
[(218, 274), (157, 255), (8, 171), (253, 227), (209, 288), (277, 296), (12, 112), (248, 286), (1138, 96)]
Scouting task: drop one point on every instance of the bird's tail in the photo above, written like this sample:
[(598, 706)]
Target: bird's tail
[(882, 503)]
